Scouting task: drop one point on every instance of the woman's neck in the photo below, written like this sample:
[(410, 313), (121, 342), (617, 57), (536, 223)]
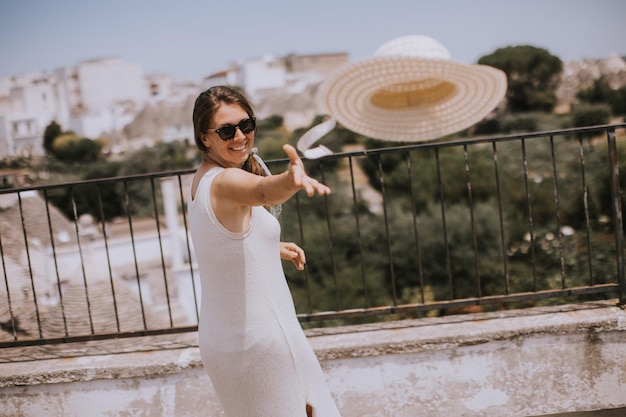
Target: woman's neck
[(211, 159)]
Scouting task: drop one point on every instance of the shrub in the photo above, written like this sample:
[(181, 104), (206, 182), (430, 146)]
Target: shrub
[(520, 123), (591, 114), (68, 147)]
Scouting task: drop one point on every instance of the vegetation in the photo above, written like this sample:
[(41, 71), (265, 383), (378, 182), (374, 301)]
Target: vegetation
[(591, 114), (601, 93), (67, 152), (532, 75), (53, 130)]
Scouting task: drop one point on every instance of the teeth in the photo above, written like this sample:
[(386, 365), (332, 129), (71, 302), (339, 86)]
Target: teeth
[(241, 148)]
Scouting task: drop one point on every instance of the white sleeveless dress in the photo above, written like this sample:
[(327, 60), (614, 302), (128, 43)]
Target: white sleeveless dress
[(251, 343)]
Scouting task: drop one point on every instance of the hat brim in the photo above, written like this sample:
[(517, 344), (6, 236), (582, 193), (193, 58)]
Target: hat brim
[(473, 92)]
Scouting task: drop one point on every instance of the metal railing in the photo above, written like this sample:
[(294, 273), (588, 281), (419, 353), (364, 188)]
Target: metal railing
[(496, 222)]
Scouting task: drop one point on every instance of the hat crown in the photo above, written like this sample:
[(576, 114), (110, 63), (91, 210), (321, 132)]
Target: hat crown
[(417, 46)]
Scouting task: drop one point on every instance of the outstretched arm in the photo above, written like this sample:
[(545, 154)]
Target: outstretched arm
[(241, 187)]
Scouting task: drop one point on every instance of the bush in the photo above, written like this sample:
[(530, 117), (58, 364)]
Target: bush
[(520, 123), (68, 147), (601, 92), (591, 115), (272, 122), (618, 102), (487, 127)]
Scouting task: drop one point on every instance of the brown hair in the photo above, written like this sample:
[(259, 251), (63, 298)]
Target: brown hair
[(205, 107)]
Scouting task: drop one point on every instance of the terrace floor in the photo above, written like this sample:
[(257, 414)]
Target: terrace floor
[(24, 357), (617, 412)]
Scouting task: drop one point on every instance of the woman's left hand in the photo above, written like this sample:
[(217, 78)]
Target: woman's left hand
[(294, 253)]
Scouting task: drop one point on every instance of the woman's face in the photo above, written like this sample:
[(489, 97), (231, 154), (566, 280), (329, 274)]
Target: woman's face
[(233, 152)]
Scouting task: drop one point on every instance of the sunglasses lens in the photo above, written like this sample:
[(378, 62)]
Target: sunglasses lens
[(247, 125), (227, 132)]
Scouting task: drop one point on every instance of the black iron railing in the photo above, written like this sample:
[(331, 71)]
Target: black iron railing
[(495, 222)]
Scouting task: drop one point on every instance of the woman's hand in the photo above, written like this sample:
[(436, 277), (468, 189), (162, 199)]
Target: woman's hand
[(294, 253), (253, 190), (299, 177)]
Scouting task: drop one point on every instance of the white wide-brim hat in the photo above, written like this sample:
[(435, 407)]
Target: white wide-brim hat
[(411, 91)]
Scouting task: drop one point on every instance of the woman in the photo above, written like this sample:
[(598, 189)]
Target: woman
[(251, 342)]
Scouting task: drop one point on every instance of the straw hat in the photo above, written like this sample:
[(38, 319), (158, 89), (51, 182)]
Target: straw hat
[(411, 91)]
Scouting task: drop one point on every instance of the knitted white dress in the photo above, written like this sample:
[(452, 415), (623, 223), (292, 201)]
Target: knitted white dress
[(251, 343)]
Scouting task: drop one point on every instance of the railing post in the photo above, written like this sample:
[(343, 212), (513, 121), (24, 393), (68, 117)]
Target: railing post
[(616, 197)]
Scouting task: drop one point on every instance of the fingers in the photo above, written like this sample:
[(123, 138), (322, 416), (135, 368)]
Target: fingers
[(312, 186), (301, 180), (298, 258), (293, 253), (291, 153)]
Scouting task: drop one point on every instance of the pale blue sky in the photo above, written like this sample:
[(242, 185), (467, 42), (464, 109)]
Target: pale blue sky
[(194, 38)]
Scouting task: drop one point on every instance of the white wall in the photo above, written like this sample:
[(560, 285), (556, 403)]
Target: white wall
[(31, 103), (92, 125), (107, 81), (6, 139), (530, 362), (259, 74), (20, 134)]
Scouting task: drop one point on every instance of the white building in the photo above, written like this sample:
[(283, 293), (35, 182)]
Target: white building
[(102, 96), (99, 92), (258, 75), (93, 98), (164, 87), (93, 86), (227, 77), (252, 75), (29, 103), (20, 136)]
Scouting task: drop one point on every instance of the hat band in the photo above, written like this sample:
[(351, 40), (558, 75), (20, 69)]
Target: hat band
[(429, 92)]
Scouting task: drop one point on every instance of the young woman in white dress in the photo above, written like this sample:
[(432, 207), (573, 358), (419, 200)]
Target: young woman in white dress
[(251, 343)]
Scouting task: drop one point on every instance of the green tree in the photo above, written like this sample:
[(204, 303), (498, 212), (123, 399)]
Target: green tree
[(53, 130), (618, 102), (107, 194), (69, 147), (532, 74), (602, 93), (599, 92), (272, 122), (157, 158)]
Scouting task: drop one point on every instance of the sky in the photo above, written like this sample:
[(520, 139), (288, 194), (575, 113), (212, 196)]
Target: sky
[(191, 39)]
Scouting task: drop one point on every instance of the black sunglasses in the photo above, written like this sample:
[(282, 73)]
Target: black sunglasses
[(227, 132)]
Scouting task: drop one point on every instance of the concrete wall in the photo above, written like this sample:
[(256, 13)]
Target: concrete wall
[(505, 364)]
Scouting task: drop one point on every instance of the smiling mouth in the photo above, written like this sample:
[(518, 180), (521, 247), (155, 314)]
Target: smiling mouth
[(241, 148)]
